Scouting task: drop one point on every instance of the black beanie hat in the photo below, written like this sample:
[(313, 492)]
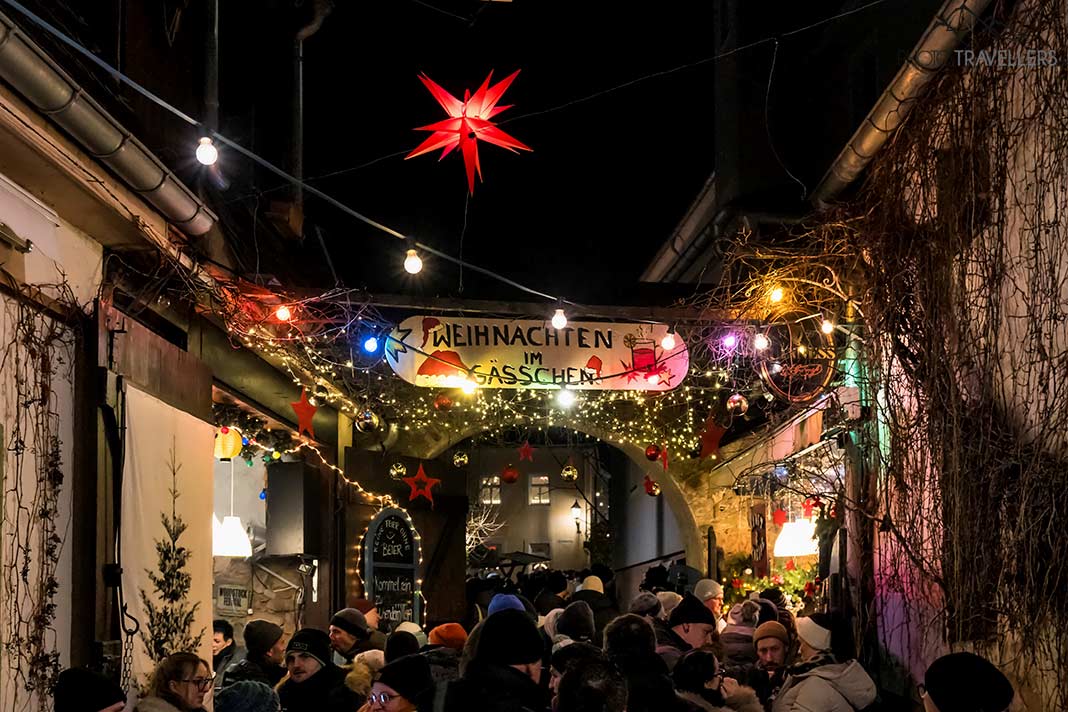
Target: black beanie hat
[(965, 682), (576, 622), (408, 675), (399, 644), (313, 642), (82, 689), (690, 610), (260, 636), (351, 621), (509, 637)]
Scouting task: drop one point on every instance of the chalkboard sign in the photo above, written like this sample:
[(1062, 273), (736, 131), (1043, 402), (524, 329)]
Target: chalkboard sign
[(391, 568)]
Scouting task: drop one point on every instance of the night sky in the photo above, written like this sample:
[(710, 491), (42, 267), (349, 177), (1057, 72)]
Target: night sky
[(608, 179)]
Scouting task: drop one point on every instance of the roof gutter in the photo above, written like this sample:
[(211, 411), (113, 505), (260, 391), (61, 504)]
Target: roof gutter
[(31, 72), (949, 27)]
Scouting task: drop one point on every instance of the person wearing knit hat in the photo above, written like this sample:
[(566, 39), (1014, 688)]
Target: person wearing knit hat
[(448, 635), (604, 610), (710, 592), (693, 622), (414, 629), (820, 681), (83, 690), (785, 617), (399, 644), (504, 602), (374, 659), (965, 682), (266, 651), (505, 670), (668, 601), (737, 638), (646, 604), (314, 683), (401, 684), (771, 643), (350, 635), (247, 696), (576, 622)]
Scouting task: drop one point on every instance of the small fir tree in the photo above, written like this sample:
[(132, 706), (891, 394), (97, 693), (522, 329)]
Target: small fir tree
[(170, 621)]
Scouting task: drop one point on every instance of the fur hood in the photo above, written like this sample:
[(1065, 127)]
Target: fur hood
[(744, 700)]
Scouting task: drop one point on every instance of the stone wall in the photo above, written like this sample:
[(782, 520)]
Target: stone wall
[(272, 599)]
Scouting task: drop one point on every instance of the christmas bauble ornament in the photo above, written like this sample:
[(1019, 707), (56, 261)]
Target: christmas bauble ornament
[(652, 488), (443, 403), (738, 404), (460, 459), (397, 470), (367, 421), (510, 474), (570, 473), (652, 452)]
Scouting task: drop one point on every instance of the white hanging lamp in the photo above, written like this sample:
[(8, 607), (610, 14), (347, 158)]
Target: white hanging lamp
[(797, 539), (230, 538)]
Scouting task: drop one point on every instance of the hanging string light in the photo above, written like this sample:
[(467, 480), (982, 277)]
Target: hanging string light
[(283, 313), (413, 264), (206, 152), (559, 320)]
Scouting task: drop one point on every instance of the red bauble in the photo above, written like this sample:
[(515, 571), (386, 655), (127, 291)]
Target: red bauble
[(443, 402), (810, 589), (224, 430), (510, 474), (652, 453)]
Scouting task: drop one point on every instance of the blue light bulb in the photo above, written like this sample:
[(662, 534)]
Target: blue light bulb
[(370, 344), (263, 493)]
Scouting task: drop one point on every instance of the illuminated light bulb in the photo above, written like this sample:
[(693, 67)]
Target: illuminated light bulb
[(776, 295), (565, 398), (412, 263), (761, 342), (776, 367), (559, 321), (370, 344), (282, 313), (206, 152), (827, 326), (668, 342), (468, 387), (802, 349), (652, 378), (730, 341)]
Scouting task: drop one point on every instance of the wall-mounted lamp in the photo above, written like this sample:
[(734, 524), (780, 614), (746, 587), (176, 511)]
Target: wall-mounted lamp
[(576, 514)]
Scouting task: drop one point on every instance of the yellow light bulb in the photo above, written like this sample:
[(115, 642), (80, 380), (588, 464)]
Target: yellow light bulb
[(776, 295), (827, 326)]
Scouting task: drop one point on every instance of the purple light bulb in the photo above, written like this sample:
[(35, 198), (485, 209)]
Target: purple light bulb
[(730, 341)]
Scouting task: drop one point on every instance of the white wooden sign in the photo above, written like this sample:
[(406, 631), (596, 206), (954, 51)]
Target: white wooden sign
[(443, 352)]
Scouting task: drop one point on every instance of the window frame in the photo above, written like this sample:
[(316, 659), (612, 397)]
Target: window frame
[(543, 490)]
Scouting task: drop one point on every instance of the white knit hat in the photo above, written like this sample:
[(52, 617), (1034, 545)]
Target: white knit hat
[(707, 588), (813, 633)]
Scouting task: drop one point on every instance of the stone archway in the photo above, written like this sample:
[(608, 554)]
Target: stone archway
[(430, 443)]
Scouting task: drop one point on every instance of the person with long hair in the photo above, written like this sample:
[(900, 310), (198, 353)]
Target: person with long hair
[(180, 684)]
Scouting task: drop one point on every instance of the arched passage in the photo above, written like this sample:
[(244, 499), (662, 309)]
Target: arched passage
[(429, 443)]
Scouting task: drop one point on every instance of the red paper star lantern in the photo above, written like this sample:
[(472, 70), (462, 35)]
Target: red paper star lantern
[(422, 485), (710, 437), (526, 452), (809, 504), (469, 120), (305, 412), (779, 517)]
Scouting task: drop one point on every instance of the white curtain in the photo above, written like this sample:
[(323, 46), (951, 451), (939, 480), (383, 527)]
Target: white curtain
[(165, 447)]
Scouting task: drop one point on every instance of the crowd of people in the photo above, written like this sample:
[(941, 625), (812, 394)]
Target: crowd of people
[(552, 650)]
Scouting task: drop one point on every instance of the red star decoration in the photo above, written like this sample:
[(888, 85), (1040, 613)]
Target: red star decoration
[(779, 517), (790, 565), (809, 504), (305, 412), (422, 485), (710, 437), (526, 452), (664, 456), (469, 120)]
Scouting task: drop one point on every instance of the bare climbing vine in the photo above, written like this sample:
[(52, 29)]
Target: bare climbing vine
[(36, 363)]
